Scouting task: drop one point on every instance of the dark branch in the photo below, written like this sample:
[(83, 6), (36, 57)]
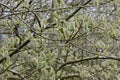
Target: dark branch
[(16, 50), (71, 15), (87, 59)]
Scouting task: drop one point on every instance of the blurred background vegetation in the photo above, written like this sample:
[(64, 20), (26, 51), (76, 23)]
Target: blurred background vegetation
[(59, 40)]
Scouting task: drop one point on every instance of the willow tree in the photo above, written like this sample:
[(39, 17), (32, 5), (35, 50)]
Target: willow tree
[(59, 39)]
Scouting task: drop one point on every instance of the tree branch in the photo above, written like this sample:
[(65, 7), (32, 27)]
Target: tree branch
[(16, 50), (71, 15), (87, 59)]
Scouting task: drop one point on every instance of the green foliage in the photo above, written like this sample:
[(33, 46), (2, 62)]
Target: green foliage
[(69, 40)]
